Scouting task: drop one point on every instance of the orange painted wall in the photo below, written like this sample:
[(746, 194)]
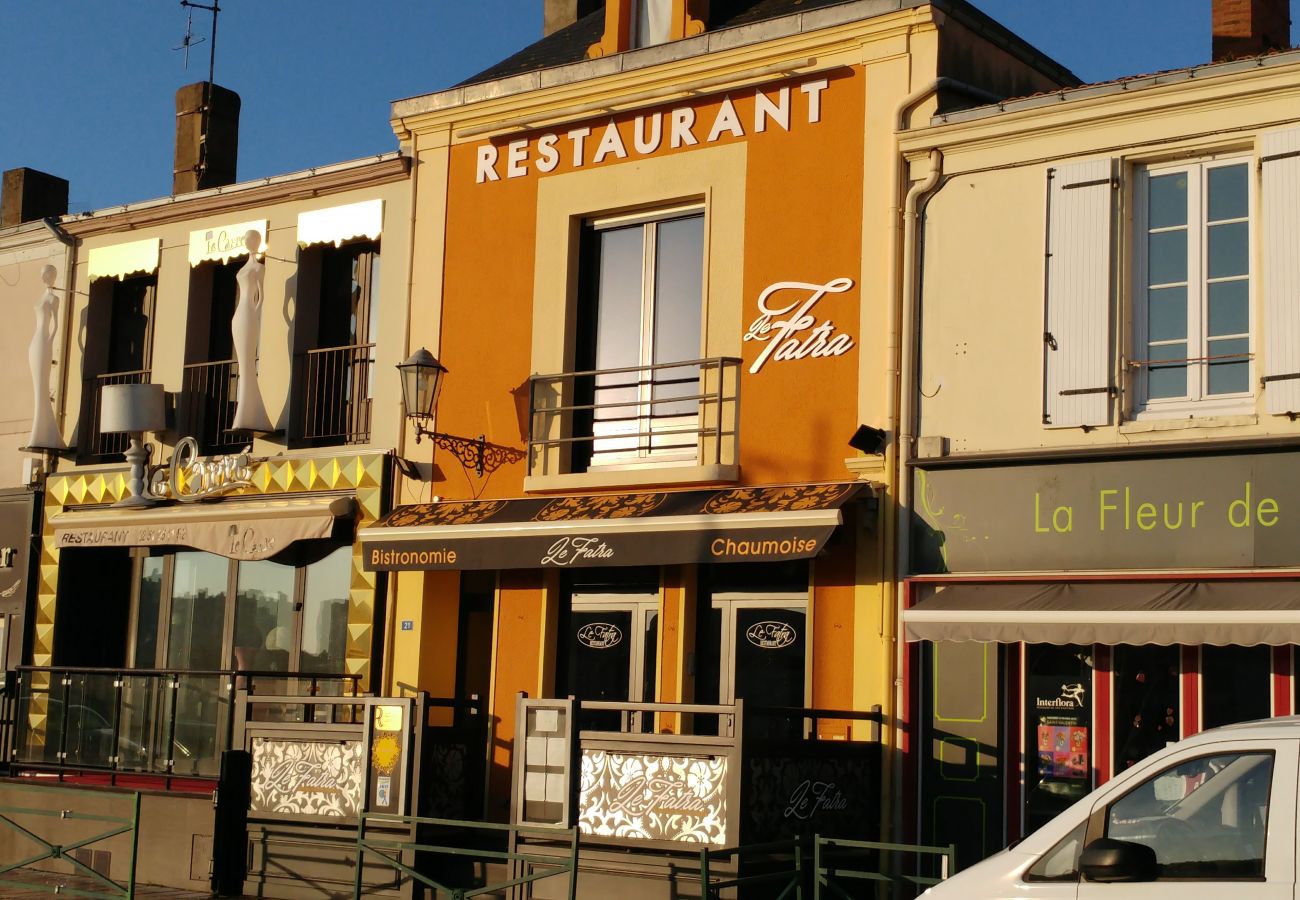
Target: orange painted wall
[(486, 324), (521, 622), (833, 629), (803, 223)]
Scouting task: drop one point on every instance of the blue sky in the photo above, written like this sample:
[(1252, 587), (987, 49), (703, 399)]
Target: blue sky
[(88, 87)]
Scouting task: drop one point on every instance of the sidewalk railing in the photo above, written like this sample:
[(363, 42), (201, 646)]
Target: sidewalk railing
[(777, 864), (524, 868), (66, 852), (837, 860)]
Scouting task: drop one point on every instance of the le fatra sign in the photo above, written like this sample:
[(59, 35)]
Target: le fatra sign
[(782, 108), (787, 324)]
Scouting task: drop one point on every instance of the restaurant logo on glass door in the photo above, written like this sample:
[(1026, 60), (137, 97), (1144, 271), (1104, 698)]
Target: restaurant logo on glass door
[(600, 635), (771, 635)]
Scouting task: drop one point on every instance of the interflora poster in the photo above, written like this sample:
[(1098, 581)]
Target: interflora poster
[(1061, 718)]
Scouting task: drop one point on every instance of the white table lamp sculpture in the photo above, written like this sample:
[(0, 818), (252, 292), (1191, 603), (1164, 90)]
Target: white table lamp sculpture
[(40, 356), (133, 409), (246, 329)]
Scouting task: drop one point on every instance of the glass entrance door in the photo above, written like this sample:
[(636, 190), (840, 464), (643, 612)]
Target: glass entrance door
[(764, 655), (613, 650)]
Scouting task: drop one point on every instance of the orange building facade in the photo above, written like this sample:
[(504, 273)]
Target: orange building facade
[(661, 279)]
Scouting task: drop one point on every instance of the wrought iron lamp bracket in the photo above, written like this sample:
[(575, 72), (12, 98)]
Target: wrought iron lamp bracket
[(469, 452)]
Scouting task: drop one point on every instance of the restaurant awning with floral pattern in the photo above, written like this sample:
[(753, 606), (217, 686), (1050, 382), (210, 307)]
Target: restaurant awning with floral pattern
[(747, 524)]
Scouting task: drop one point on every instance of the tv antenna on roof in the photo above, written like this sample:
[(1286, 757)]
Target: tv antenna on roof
[(190, 40)]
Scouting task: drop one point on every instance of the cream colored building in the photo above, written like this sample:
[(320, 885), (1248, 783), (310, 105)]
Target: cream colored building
[(1100, 432)]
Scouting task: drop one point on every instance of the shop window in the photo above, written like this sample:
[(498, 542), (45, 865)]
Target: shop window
[(1235, 685), (199, 611), (1193, 278), (334, 328), (148, 603), (118, 332), (639, 339), (1206, 818), (1058, 722), (1146, 701), (206, 405), (650, 22)]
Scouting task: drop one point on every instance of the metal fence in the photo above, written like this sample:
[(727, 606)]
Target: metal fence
[(74, 852), (333, 395), (205, 409), (522, 868), (668, 411), (139, 721), (95, 445), (839, 863)]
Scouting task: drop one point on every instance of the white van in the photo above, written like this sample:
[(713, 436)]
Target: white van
[(1207, 818)]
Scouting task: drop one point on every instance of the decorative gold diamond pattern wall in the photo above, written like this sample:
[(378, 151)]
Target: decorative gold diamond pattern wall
[(363, 474)]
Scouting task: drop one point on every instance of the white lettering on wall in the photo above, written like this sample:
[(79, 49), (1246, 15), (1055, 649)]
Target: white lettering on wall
[(548, 156), (487, 160), (776, 107), (795, 337), (778, 112), (611, 142), (643, 144)]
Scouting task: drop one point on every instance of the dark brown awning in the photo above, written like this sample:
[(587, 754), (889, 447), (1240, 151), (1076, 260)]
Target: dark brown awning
[(1108, 612), (760, 524)]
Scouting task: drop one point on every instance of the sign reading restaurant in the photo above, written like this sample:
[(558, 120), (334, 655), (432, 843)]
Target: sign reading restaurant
[(784, 108), (1213, 511)]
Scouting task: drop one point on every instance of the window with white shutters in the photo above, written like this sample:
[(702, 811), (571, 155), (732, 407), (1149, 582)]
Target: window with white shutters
[(1280, 174), (1078, 381), (1193, 281)]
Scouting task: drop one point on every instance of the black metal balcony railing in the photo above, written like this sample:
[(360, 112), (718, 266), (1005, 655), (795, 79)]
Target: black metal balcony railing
[(142, 721), (333, 391), (678, 411), (205, 409), (93, 444)]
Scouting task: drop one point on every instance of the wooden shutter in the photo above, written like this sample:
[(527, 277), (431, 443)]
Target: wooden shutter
[(1280, 174), (1076, 340)]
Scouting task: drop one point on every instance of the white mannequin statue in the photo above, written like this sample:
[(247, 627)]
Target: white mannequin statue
[(40, 356), (246, 328)]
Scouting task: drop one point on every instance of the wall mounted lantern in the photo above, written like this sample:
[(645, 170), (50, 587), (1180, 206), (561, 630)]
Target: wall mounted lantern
[(422, 377), (133, 409)]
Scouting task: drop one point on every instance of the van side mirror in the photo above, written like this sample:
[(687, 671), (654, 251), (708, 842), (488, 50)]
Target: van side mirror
[(1109, 860)]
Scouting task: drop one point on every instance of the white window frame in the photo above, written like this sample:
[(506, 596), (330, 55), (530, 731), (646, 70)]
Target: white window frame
[(612, 451), (1197, 402)]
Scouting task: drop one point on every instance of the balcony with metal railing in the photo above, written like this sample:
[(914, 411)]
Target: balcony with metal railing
[(678, 413), (332, 396), (205, 409), (142, 722), (93, 445)]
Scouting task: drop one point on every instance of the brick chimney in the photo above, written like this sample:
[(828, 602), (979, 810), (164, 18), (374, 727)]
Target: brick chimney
[(27, 195), (557, 14), (1250, 27), (207, 137)]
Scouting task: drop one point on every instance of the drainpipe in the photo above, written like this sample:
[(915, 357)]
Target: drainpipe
[(900, 355), (52, 225)]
